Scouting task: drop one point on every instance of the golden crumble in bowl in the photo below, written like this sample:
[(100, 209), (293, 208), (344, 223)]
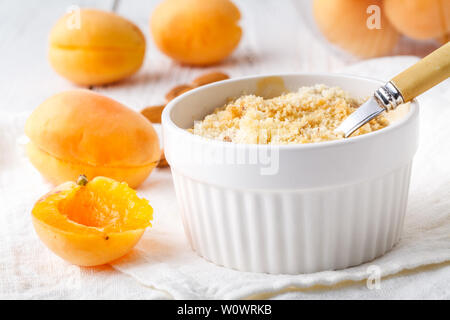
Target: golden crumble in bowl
[(294, 207), (309, 115)]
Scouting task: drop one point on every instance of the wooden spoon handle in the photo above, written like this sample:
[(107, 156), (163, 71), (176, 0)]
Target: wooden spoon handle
[(425, 74)]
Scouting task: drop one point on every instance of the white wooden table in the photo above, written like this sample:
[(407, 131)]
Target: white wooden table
[(276, 38)]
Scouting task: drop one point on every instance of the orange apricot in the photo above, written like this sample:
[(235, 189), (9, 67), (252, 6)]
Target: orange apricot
[(91, 223), (82, 132), (349, 25), (419, 19), (196, 32), (443, 39), (98, 48)]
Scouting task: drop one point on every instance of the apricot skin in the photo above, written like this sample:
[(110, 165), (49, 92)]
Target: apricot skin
[(196, 32), (81, 132), (344, 23), (87, 250), (419, 19), (57, 171), (106, 48)]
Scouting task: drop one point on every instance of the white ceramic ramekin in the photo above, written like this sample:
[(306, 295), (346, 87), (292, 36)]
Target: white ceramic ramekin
[(295, 208)]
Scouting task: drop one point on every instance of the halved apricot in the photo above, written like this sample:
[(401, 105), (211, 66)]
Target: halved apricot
[(91, 223)]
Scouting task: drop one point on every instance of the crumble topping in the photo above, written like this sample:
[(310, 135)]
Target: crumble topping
[(309, 115)]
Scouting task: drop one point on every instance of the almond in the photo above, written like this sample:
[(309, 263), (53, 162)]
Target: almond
[(209, 77), (162, 161), (153, 113), (178, 90)]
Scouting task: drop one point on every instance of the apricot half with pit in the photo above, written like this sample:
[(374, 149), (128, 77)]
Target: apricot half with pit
[(94, 47), (82, 132), (91, 223), (196, 32)]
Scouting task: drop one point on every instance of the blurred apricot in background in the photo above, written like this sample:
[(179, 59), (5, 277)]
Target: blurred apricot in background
[(344, 23), (419, 19), (196, 32)]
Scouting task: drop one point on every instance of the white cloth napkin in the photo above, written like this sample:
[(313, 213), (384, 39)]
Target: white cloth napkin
[(163, 262)]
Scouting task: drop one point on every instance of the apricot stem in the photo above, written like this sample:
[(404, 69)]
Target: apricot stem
[(82, 180)]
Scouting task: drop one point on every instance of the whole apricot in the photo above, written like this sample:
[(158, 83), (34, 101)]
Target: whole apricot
[(196, 32), (419, 19), (352, 25), (82, 132), (95, 48), (91, 223)]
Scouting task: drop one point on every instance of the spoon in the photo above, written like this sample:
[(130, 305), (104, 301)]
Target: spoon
[(403, 88)]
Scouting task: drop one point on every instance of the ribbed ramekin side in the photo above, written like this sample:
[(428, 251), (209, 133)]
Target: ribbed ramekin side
[(294, 231)]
